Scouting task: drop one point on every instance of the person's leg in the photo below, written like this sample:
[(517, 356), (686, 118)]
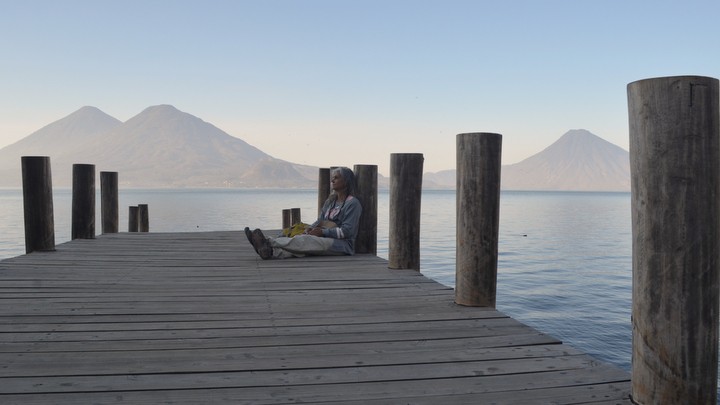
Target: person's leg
[(304, 245)]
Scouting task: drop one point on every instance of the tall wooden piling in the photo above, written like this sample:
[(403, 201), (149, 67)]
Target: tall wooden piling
[(133, 219), (143, 218), (323, 187), (286, 218), (477, 218), (675, 170), (295, 217), (83, 202), (404, 226), (109, 214), (38, 204), (366, 190)]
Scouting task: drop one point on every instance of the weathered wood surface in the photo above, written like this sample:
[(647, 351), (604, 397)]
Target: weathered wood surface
[(38, 204), (477, 218), (109, 204), (83, 201), (405, 195), (198, 318), (675, 157)]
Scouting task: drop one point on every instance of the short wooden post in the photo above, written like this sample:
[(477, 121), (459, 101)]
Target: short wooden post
[(83, 202), (133, 219), (143, 218), (286, 218), (323, 187), (366, 190), (295, 216), (675, 170), (38, 204), (109, 202), (477, 218), (404, 226)]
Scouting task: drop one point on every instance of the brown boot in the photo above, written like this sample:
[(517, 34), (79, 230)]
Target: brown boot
[(261, 244)]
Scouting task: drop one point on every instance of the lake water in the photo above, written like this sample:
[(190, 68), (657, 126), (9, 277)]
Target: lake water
[(564, 257)]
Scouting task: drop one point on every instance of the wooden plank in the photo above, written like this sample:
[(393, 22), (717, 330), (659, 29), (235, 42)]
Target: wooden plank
[(603, 393), (271, 340), (281, 358), (367, 323), (533, 338), (506, 385), (290, 318), (146, 376)]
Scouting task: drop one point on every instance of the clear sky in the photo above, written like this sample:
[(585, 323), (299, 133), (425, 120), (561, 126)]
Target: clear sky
[(349, 82)]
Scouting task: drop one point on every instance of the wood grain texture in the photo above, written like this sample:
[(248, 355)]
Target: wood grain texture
[(477, 218), (675, 176)]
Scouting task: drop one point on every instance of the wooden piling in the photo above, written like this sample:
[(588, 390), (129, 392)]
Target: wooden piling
[(404, 226), (109, 202), (477, 218), (675, 170), (286, 218), (38, 204), (133, 219), (295, 216), (323, 187), (143, 218), (83, 202), (366, 190)]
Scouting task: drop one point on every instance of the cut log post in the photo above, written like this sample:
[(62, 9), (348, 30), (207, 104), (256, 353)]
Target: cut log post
[(109, 202), (143, 218), (38, 204), (295, 216), (83, 202), (286, 218), (323, 187), (477, 218), (366, 190), (133, 219), (675, 170), (404, 226)]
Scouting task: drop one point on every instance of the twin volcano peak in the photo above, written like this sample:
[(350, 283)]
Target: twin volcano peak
[(159, 147)]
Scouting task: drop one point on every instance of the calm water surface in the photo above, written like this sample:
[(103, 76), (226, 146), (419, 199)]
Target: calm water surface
[(564, 265)]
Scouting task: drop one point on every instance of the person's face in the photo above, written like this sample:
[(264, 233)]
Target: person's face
[(337, 182)]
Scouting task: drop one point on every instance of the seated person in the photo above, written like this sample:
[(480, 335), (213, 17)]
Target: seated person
[(333, 233)]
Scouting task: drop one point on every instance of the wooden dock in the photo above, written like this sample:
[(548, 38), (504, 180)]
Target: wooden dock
[(190, 318)]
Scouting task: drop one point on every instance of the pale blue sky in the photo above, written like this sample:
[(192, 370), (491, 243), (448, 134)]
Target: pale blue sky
[(341, 82)]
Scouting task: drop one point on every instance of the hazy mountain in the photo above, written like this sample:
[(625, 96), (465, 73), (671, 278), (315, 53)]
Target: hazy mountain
[(160, 147), (578, 161), (444, 179), (165, 147), (60, 140), (63, 136)]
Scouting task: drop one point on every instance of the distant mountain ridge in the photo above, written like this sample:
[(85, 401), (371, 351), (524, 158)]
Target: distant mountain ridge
[(164, 147), (159, 147)]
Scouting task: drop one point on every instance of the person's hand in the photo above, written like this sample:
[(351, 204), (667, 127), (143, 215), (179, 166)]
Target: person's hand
[(315, 231)]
